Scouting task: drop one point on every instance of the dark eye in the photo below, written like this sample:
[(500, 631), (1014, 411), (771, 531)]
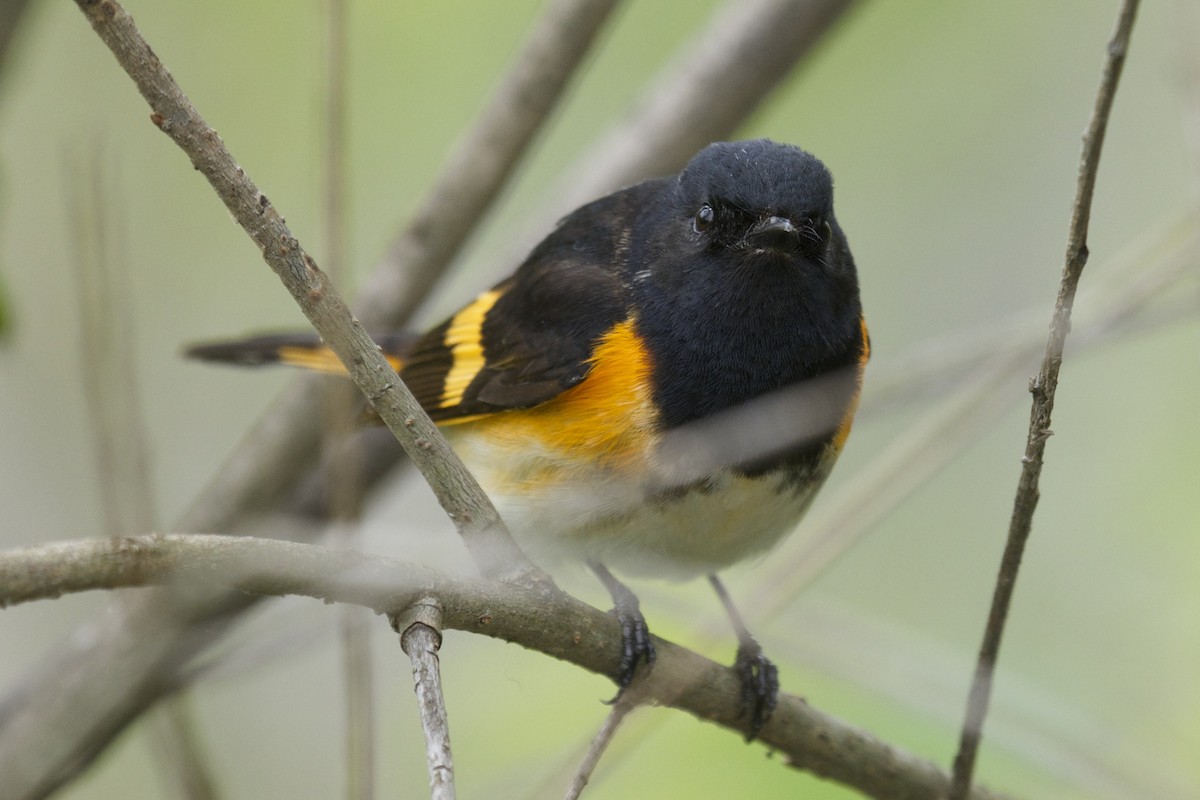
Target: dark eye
[(704, 218)]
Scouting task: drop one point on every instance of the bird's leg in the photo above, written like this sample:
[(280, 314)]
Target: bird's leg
[(759, 677), (636, 645)]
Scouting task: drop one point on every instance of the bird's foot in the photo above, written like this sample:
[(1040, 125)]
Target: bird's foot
[(760, 685), (636, 645)]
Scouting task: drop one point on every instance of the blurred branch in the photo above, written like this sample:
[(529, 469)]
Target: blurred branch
[(1187, 29), (710, 87), (338, 412), (420, 629), (483, 160), (1042, 388), (11, 13), (5, 314), (706, 91), (117, 424), (539, 618)]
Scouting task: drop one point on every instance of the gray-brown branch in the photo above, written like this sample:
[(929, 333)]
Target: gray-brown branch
[(539, 618), (420, 629), (457, 491)]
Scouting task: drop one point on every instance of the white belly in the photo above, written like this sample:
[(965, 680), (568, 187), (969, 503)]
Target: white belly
[(563, 512)]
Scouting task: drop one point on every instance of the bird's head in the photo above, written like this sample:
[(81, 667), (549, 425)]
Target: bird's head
[(759, 200)]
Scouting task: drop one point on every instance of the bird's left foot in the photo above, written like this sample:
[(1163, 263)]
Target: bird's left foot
[(636, 645), (760, 685)]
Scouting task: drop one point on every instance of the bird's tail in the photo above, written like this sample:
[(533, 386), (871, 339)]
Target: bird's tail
[(304, 350)]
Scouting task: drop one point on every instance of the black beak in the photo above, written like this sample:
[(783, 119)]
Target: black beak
[(774, 233)]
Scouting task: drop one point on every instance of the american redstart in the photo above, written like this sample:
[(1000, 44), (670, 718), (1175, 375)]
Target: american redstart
[(663, 384)]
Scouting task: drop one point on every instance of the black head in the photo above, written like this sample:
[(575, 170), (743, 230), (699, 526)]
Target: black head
[(744, 282), (758, 198)]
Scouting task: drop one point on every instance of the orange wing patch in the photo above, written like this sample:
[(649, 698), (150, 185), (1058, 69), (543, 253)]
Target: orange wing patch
[(608, 420)]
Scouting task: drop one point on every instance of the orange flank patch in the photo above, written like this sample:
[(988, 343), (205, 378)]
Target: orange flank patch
[(605, 422), (464, 337), (843, 429)]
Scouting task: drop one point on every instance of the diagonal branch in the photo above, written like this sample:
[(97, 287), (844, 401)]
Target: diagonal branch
[(706, 91), (1042, 388), (542, 619), (457, 491)]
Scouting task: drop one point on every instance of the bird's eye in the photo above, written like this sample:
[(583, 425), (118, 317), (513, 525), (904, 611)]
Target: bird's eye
[(704, 218)]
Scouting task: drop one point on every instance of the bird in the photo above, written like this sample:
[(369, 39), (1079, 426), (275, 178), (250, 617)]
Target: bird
[(661, 386)]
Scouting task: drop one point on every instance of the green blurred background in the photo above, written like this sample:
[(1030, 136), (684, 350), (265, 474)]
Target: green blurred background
[(953, 130)]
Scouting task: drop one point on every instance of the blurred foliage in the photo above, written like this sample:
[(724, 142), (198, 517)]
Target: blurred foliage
[(953, 132), (5, 314)]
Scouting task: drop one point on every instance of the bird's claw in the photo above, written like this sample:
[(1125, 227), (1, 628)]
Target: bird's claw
[(636, 646), (760, 685)]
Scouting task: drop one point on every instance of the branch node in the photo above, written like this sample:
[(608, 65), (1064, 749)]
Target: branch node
[(425, 614)]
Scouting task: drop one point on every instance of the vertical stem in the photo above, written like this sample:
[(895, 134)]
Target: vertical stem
[(1042, 388), (420, 637), (117, 422), (338, 406)]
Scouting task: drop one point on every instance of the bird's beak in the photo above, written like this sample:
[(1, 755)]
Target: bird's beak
[(774, 233)]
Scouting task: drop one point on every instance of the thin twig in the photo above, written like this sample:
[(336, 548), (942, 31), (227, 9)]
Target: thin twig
[(545, 620), (107, 367), (118, 427), (340, 449), (420, 629), (626, 702), (176, 736), (1042, 388)]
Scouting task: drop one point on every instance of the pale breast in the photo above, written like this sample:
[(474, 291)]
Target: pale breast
[(561, 510)]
